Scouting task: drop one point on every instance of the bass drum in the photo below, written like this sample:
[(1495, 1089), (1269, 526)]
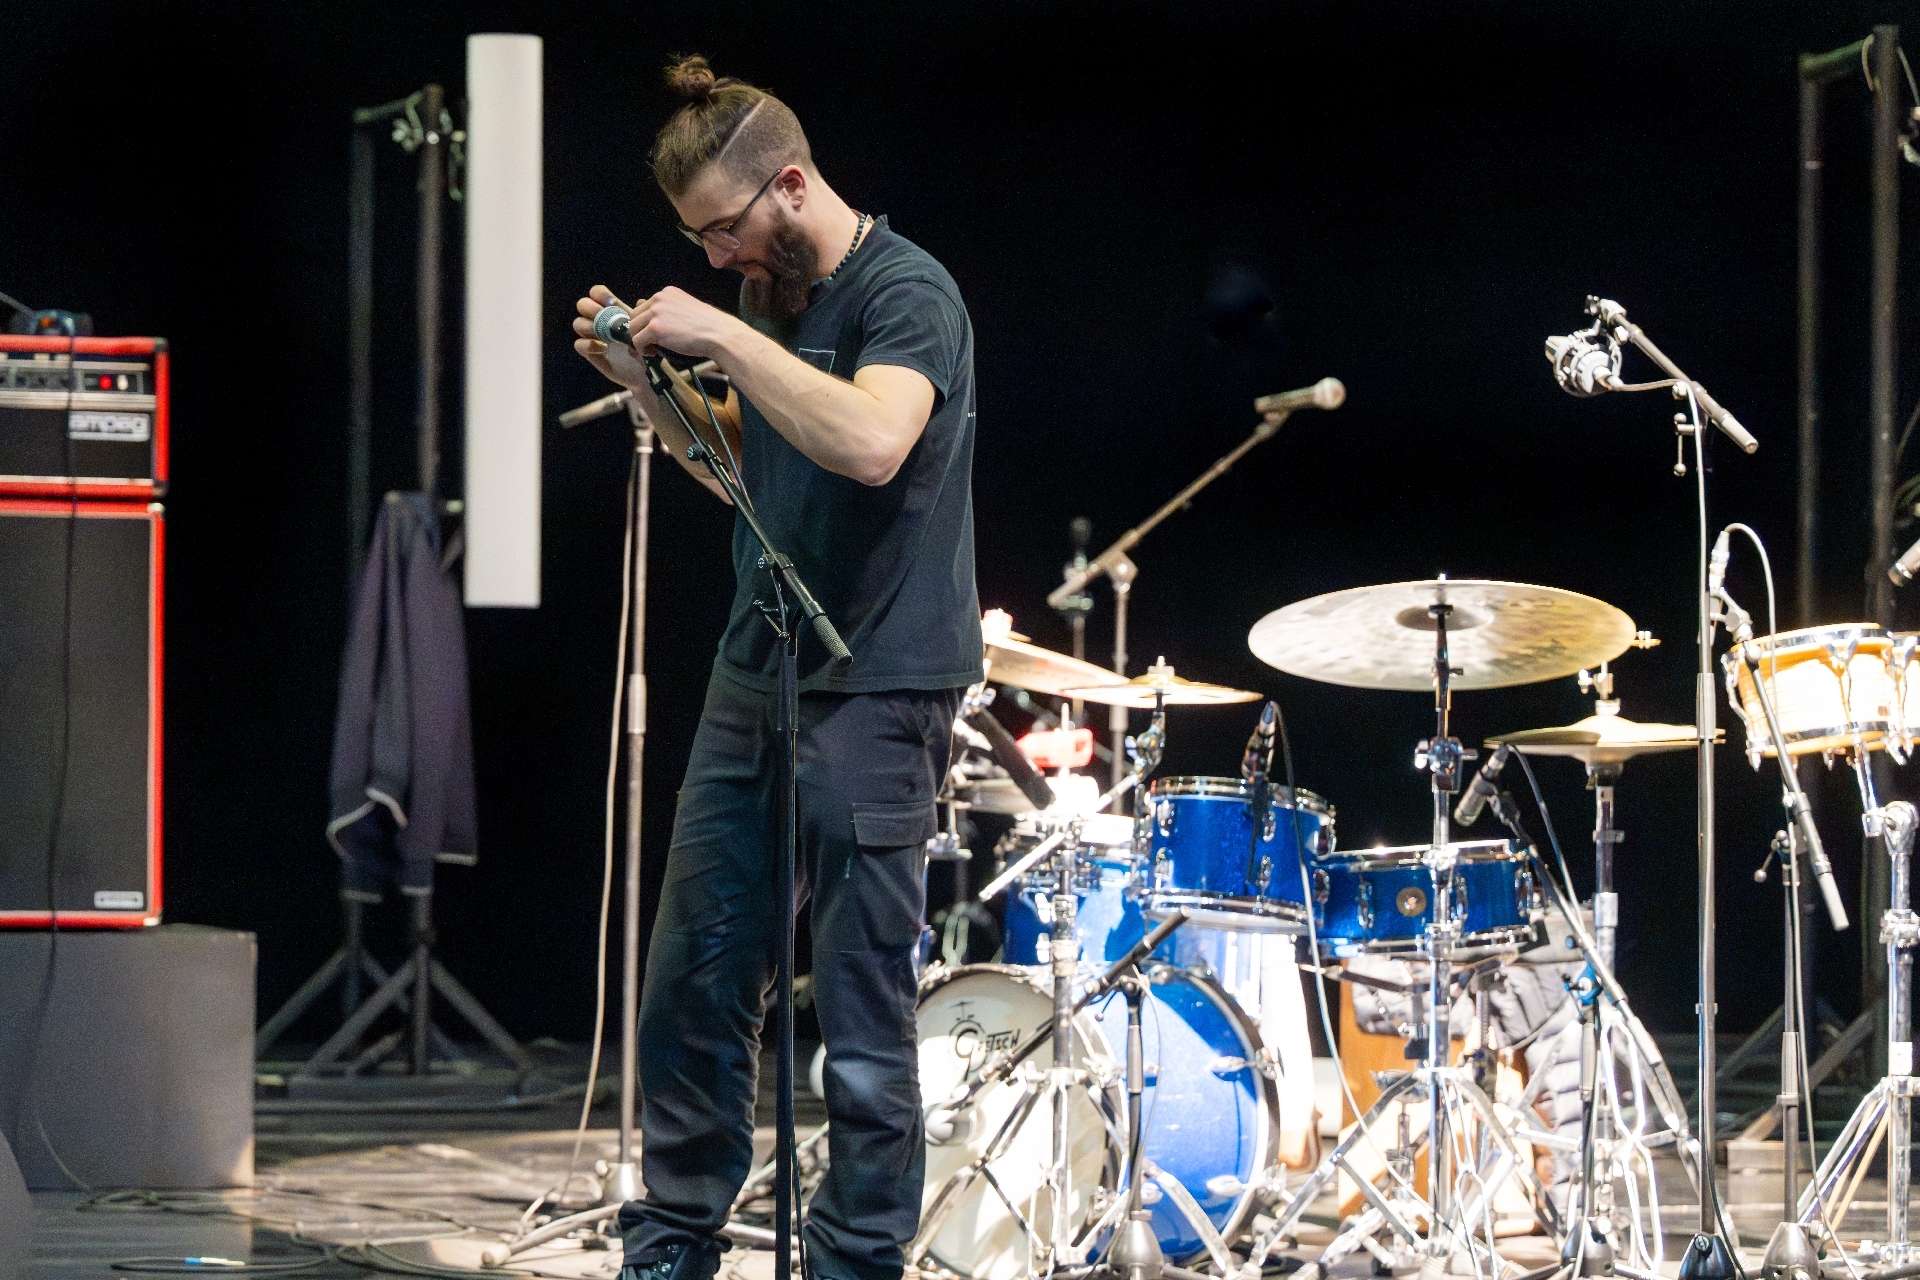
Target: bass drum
[(1210, 1113)]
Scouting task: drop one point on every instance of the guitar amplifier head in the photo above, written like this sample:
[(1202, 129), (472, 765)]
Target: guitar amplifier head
[(83, 417)]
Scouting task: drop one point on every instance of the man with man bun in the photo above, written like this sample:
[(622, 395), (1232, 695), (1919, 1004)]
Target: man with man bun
[(852, 415)]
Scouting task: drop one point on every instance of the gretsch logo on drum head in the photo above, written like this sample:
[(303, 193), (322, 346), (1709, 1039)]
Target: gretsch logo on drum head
[(973, 1043)]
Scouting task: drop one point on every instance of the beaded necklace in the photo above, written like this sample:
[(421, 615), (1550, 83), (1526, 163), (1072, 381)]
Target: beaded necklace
[(859, 229)]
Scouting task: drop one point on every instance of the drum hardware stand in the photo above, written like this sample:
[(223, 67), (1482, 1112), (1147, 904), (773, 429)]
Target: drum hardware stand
[(954, 1114), (1888, 1108), (1590, 1248), (1447, 1089)]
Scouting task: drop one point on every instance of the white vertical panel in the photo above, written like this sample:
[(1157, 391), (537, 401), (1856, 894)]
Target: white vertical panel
[(503, 192)]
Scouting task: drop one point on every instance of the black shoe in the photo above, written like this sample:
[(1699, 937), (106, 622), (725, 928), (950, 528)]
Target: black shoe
[(677, 1262)]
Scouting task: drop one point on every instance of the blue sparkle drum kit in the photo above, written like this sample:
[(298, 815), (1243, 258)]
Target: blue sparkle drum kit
[(1116, 1086)]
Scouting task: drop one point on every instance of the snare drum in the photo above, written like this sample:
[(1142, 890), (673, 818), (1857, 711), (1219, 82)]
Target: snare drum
[(1832, 688), (1206, 850), (1380, 901)]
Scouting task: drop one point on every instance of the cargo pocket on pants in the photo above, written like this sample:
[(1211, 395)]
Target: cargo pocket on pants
[(890, 867)]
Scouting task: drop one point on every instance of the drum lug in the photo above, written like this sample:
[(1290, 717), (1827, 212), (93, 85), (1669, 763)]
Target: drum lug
[(1364, 912), (1265, 880), (1162, 869), (1163, 817), (1224, 1186), (1323, 838), (1270, 820), (1322, 886), (1270, 1185)]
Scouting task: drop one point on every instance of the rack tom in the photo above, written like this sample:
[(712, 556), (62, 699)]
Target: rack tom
[(1380, 901), (1205, 848)]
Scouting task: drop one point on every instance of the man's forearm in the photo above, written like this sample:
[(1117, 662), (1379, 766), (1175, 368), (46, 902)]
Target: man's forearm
[(829, 419)]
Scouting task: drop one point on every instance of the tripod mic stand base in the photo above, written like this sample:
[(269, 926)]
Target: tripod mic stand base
[(1135, 1254), (1707, 1258), (1588, 1251), (1790, 1254), (619, 1181)]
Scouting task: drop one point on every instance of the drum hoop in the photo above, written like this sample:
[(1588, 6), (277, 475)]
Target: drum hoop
[(1804, 643), (1507, 935), (1196, 784), (1361, 862)]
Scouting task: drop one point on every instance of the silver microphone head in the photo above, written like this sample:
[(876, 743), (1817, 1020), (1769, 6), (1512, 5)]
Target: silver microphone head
[(1582, 368), (603, 323), (1329, 393)]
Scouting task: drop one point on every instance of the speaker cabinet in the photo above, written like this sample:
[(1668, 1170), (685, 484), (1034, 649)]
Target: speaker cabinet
[(80, 669)]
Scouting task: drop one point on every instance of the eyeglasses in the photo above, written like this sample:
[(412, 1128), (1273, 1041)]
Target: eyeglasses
[(720, 235)]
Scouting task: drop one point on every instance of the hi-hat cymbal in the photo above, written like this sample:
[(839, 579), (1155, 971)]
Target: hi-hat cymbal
[(1159, 683), (1014, 660), (1498, 634), (1603, 739)]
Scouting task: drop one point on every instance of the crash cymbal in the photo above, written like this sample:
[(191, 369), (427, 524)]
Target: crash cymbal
[(1603, 739), (1498, 634), (1159, 682), (1014, 660)]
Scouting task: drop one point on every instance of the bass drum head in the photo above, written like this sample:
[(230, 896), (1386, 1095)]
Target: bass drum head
[(970, 1224), (1210, 1114)]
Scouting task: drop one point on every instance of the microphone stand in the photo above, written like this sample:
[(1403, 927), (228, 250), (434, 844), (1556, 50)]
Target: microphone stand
[(790, 595), (1114, 564), (1709, 1254)]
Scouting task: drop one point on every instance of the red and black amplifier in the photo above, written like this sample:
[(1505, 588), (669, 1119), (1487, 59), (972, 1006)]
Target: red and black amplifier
[(83, 417)]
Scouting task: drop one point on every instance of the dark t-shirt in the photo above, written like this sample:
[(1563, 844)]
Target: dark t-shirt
[(891, 564)]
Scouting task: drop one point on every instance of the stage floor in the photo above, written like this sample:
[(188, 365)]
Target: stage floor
[(439, 1189)]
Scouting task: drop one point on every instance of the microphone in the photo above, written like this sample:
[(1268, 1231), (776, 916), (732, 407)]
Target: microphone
[(1482, 788), (1906, 566), (1717, 566), (1007, 754), (1581, 367), (1328, 393), (611, 325), (1257, 760)]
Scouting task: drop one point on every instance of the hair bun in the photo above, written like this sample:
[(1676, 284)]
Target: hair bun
[(691, 78)]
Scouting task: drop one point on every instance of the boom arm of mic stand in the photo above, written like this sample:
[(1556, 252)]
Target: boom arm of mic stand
[(1716, 412), (1105, 561), (775, 561)]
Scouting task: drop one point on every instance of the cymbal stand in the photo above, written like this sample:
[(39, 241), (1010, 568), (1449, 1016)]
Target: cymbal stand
[(1888, 1109), (1449, 1091)]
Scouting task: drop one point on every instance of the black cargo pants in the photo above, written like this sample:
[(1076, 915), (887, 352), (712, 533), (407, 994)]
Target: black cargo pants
[(870, 766)]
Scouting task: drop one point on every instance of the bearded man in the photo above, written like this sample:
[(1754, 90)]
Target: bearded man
[(851, 412)]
